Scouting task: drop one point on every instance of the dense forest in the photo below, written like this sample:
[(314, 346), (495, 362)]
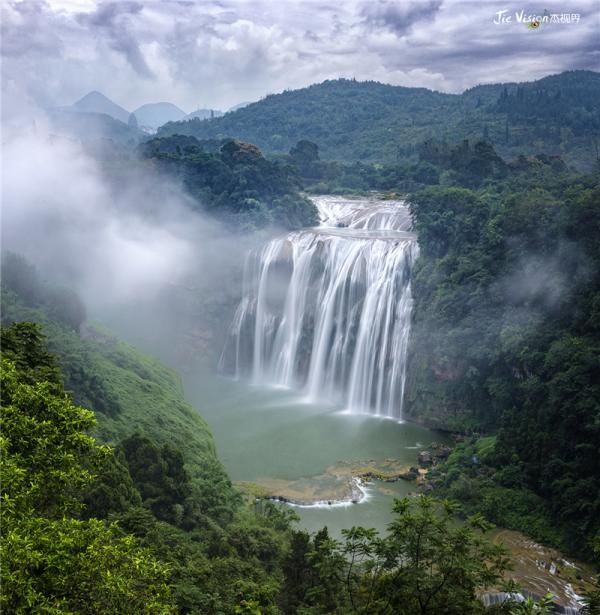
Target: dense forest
[(114, 499), (115, 512), (506, 339), (373, 122), (233, 181)]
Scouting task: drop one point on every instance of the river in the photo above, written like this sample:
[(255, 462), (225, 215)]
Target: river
[(315, 364), (265, 435)]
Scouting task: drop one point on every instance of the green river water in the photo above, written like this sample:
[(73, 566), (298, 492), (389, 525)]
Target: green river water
[(266, 433)]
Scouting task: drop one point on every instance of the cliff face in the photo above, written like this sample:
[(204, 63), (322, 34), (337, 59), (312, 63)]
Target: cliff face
[(432, 395)]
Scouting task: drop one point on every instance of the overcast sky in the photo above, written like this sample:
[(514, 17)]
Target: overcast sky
[(217, 53)]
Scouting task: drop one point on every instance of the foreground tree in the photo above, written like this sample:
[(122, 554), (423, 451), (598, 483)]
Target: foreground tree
[(52, 561), (427, 564)]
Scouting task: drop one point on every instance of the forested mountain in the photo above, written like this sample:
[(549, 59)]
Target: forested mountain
[(127, 390), (233, 181), (239, 106), (506, 340), (184, 539), (370, 121), (204, 114)]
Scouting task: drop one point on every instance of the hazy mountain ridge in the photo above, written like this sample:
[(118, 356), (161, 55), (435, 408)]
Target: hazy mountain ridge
[(371, 121), (153, 115), (96, 102), (97, 130), (203, 114)]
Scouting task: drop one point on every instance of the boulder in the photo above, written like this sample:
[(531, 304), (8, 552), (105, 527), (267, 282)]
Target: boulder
[(410, 475), (443, 452), (425, 459)]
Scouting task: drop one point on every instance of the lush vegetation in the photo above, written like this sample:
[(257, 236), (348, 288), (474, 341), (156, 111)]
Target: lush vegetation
[(152, 525), (425, 564), (467, 164), (53, 561), (134, 538), (233, 181), (506, 337), (127, 390), (374, 122)]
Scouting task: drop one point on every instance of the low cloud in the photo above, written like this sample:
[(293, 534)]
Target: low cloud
[(60, 212), (137, 249)]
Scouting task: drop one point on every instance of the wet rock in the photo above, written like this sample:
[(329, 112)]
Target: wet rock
[(425, 459), (443, 452), (410, 475)]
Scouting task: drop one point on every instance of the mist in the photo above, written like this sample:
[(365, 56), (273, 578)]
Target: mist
[(128, 241)]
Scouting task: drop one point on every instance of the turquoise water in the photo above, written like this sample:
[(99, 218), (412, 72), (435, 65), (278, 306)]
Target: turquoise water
[(264, 433)]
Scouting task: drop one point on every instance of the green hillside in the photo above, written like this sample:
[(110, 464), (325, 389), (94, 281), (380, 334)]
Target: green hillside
[(129, 392), (153, 525), (370, 121), (506, 340)]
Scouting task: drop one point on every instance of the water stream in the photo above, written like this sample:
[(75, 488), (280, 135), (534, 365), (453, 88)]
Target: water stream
[(327, 310)]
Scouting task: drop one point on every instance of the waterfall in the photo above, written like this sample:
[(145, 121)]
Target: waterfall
[(328, 310)]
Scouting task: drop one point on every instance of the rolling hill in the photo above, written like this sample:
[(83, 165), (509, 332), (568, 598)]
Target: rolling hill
[(370, 121)]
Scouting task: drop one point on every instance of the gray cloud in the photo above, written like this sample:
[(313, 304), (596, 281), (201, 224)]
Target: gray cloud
[(26, 31), (218, 53), (399, 17), (113, 20)]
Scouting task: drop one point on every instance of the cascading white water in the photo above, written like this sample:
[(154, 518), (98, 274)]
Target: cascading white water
[(328, 309)]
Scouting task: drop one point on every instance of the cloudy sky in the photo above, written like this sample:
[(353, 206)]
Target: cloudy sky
[(217, 53)]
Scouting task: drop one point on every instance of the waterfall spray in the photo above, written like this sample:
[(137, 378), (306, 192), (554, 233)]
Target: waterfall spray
[(328, 310)]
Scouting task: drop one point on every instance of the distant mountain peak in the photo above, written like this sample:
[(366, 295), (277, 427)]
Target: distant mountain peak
[(94, 93), (154, 115), (96, 102), (94, 96)]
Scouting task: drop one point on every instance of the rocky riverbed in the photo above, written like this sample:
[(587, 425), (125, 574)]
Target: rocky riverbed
[(342, 483), (535, 568), (541, 570)]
